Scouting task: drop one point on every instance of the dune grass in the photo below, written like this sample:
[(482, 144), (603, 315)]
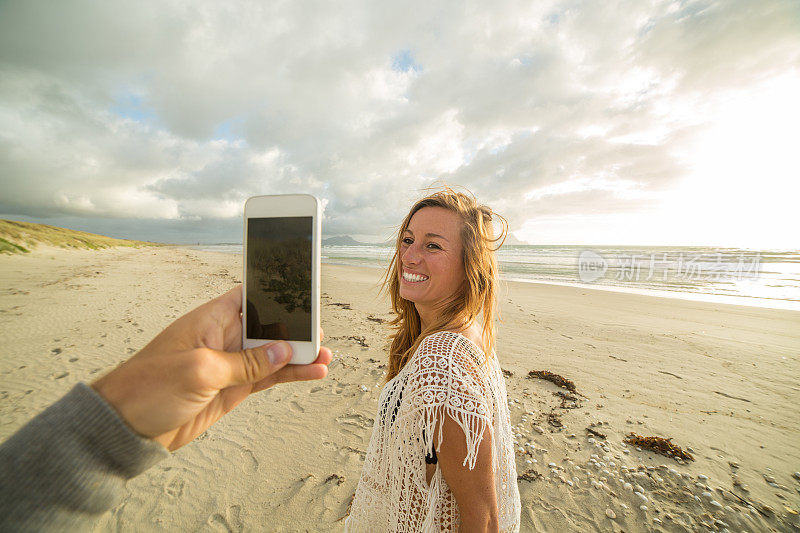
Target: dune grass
[(20, 237)]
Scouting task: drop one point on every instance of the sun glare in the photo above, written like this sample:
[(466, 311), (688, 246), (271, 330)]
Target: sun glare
[(743, 187)]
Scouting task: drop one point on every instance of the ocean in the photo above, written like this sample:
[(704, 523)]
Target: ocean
[(762, 278)]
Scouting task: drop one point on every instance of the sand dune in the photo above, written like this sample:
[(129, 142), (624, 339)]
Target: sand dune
[(720, 380)]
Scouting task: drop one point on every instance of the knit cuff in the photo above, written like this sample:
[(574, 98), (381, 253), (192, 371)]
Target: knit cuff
[(104, 432), (70, 464)]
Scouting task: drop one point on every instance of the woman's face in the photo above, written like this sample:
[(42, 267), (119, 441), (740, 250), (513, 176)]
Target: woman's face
[(432, 268)]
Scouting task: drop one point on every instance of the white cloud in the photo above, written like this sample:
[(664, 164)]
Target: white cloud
[(175, 111)]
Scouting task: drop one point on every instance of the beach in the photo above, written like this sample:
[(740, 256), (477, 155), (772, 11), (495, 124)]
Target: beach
[(721, 381)]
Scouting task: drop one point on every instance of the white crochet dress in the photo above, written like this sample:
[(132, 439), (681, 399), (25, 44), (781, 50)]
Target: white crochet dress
[(446, 374)]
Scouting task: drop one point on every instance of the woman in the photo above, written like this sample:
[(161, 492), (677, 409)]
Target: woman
[(441, 455)]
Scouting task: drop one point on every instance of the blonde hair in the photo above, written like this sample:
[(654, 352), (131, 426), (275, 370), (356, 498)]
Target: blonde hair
[(480, 265)]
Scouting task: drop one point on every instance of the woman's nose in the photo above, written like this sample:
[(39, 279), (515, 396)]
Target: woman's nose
[(411, 255)]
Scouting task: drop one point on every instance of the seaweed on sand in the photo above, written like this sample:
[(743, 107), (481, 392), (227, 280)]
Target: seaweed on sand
[(552, 378), (529, 475), (554, 419), (659, 445), (568, 401)]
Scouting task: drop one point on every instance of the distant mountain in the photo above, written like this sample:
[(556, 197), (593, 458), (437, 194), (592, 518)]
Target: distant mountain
[(343, 240), (513, 241)]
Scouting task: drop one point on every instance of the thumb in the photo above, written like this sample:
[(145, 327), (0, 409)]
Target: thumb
[(254, 364)]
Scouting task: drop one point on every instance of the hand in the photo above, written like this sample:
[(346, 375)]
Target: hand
[(195, 371)]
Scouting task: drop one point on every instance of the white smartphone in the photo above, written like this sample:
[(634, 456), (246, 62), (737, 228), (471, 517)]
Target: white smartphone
[(281, 273)]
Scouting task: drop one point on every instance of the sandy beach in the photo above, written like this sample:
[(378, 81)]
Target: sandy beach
[(722, 381)]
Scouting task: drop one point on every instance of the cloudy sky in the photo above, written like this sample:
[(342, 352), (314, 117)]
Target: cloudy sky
[(620, 122)]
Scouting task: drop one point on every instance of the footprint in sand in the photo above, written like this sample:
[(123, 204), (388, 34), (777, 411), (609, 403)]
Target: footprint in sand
[(356, 420), (174, 488), (306, 482), (229, 520), (59, 375), (348, 450), (251, 458), (296, 407), (335, 478)]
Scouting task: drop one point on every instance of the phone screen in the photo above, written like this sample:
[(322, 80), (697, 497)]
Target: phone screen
[(279, 278)]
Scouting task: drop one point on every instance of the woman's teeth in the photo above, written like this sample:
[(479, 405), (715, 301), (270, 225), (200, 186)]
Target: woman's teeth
[(413, 278)]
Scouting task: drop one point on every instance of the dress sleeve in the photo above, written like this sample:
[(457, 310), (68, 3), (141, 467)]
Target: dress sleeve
[(446, 379)]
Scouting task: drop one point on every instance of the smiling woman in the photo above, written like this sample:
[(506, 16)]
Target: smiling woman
[(432, 269), (441, 455)]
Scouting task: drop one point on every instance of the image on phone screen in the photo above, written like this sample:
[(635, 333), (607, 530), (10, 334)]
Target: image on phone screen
[(279, 278)]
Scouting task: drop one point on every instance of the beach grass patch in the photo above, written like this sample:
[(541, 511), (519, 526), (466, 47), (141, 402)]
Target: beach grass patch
[(7, 247), (21, 237)]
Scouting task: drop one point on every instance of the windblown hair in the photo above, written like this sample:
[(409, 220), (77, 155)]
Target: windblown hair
[(478, 296)]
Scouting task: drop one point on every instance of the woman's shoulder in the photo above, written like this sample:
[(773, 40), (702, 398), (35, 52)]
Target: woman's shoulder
[(446, 343)]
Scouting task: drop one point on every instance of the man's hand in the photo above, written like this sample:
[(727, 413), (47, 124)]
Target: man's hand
[(195, 371)]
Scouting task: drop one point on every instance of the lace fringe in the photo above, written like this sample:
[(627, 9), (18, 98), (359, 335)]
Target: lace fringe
[(473, 426)]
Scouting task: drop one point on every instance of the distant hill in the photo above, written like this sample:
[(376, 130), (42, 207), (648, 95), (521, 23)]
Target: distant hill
[(343, 240), (20, 237), (513, 241)]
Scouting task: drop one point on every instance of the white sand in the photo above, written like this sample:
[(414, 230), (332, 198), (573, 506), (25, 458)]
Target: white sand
[(718, 378)]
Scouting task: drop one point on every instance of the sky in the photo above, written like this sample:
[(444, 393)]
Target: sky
[(620, 122)]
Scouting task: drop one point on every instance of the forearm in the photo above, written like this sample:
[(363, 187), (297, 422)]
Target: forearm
[(69, 465), (479, 520)]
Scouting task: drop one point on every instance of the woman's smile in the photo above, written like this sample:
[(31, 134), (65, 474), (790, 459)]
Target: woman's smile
[(413, 277)]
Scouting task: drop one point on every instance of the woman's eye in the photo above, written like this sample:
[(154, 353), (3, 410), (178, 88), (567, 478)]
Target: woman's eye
[(434, 246), (407, 240)]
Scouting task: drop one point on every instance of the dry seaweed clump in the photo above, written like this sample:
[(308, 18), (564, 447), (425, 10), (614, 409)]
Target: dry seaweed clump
[(553, 378), (554, 419), (658, 445), (529, 475)]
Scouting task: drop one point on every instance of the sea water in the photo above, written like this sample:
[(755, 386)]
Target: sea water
[(764, 278)]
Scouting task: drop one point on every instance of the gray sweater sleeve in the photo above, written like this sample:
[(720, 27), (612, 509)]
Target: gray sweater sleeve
[(67, 466)]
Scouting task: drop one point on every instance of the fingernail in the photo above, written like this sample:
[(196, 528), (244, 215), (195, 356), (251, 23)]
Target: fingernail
[(278, 352)]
